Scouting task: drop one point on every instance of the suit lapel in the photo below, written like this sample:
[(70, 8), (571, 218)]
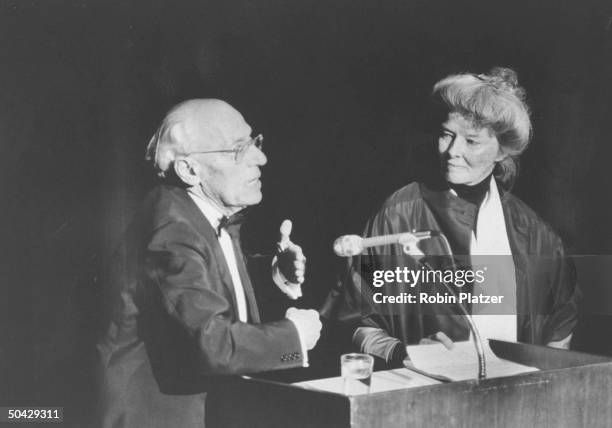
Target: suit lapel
[(209, 236)]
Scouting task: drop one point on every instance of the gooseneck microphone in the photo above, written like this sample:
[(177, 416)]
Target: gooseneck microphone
[(352, 245)]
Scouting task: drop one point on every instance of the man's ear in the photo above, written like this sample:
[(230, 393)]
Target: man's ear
[(188, 171)]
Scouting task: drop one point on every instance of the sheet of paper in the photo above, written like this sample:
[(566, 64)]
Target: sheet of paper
[(461, 362), (388, 380)]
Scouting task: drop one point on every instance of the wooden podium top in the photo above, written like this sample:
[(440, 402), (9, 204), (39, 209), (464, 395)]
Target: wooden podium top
[(571, 390)]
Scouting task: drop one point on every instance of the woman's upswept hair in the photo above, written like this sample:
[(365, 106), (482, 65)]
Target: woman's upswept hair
[(495, 101)]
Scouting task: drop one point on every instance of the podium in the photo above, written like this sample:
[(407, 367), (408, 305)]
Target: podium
[(571, 390)]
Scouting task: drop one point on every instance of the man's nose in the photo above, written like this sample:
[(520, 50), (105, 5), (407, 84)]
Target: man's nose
[(256, 156)]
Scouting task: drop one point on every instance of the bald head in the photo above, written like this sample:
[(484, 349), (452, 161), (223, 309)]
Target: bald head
[(195, 125)]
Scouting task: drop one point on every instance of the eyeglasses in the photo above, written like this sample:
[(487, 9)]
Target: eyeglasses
[(240, 150)]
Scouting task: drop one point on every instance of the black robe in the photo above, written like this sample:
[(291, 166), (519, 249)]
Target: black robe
[(546, 289)]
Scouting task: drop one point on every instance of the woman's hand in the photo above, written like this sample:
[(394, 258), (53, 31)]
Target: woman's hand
[(561, 344), (439, 337)]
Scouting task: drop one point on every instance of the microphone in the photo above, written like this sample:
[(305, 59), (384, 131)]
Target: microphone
[(478, 344), (351, 245)]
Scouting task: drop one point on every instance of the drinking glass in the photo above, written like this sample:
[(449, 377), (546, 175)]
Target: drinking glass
[(357, 373)]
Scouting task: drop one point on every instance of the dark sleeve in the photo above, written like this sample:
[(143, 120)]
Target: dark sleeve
[(564, 298), (185, 285)]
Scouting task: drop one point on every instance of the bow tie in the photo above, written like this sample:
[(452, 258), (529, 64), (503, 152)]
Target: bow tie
[(231, 224)]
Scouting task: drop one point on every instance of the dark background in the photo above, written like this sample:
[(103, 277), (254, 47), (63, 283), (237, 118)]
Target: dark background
[(338, 87)]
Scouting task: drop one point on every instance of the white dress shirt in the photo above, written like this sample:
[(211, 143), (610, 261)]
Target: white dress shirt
[(214, 216)]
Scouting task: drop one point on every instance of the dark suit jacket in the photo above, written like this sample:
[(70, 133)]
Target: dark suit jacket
[(174, 329)]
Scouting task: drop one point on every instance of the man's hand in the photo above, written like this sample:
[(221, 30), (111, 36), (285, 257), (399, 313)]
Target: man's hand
[(439, 337), (289, 264), (308, 325)]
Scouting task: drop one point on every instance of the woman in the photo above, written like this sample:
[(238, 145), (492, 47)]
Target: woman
[(484, 127)]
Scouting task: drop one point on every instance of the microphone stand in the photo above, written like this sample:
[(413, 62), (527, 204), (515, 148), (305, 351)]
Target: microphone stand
[(408, 248)]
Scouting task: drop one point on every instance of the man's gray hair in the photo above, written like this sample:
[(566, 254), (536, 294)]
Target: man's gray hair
[(185, 126), (162, 148), (165, 145)]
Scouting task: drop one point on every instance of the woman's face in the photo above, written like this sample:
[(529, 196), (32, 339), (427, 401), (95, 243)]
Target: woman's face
[(467, 153)]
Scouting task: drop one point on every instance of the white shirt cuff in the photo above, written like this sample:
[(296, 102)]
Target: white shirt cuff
[(302, 345)]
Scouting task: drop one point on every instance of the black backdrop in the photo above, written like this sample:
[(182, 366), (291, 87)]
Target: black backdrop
[(336, 86)]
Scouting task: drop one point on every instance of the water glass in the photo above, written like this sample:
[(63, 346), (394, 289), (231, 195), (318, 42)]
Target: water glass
[(357, 373)]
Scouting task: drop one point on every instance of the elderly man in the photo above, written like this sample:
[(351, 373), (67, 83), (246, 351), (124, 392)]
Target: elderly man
[(184, 308)]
